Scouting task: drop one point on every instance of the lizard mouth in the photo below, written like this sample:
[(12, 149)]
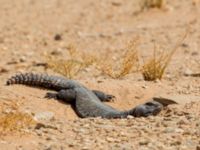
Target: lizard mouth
[(157, 110)]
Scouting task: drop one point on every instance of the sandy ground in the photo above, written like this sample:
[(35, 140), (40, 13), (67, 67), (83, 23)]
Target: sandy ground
[(28, 30)]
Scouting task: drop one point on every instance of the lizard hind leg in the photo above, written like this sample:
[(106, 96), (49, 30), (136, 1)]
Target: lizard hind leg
[(68, 95)]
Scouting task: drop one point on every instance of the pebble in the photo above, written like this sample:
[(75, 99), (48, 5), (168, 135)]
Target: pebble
[(22, 59), (44, 116), (144, 142), (4, 70), (188, 72), (130, 117), (58, 37), (173, 130), (198, 147), (109, 139), (177, 131)]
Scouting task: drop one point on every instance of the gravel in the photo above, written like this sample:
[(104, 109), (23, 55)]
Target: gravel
[(176, 128)]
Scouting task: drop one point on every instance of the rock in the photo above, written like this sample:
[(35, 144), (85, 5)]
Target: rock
[(183, 121), (195, 53), (4, 70), (185, 45), (44, 116), (144, 142), (58, 37), (22, 59), (125, 146), (173, 130), (109, 139), (187, 72), (130, 117), (144, 86), (56, 52), (198, 147)]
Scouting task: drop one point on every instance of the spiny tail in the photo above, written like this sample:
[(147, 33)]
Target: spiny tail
[(39, 80)]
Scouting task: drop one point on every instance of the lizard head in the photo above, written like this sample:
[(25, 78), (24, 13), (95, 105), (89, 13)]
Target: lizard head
[(147, 109)]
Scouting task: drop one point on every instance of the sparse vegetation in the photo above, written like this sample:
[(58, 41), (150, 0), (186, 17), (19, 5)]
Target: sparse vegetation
[(115, 67), (146, 4), (155, 67), (14, 121), (124, 65), (70, 67)]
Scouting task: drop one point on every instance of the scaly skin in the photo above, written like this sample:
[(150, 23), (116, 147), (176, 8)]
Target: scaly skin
[(87, 103)]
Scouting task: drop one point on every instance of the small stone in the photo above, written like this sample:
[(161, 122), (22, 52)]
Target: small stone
[(188, 72), (176, 143), (138, 97), (198, 147), (12, 62), (169, 130), (57, 37), (189, 143), (3, 70), (144, 86), (39, 132), (183, 121), (44, 116), (109, 139), (184, 45), (51, 138), (144, 142), (39, 126), (85, 148), (194, 53), (22, 59), (3, 142), (130, 117), (116, 3), (56, 52)]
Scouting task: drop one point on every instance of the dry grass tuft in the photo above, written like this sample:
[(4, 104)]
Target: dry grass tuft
[(15, 122), (129, 60), (147, 4), (156, 66), (72, 66), (12, 120), (116, 67), (69, 68)]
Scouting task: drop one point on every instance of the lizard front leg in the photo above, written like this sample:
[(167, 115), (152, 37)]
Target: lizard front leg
[(68, 95), (102, 96)]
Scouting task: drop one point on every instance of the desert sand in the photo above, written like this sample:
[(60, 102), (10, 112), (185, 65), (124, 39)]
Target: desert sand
[(30, 30)]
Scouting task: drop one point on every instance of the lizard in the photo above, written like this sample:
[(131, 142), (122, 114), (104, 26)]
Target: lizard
[(87, 103)]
